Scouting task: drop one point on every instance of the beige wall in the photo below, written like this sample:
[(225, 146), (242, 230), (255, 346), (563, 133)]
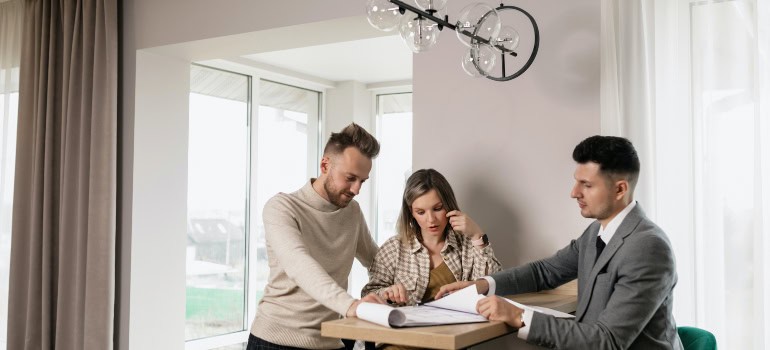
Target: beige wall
[(504, 146)]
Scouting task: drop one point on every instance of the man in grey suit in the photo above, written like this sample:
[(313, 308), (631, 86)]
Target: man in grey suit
[(623, 262)]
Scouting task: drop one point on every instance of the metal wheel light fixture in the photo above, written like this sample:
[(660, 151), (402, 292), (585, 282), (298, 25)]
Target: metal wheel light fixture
[(478, 26)]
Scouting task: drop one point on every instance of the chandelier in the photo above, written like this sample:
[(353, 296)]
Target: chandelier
[(478, 26)]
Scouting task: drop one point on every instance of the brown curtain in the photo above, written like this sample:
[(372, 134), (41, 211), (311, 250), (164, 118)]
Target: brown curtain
[(62, 278)]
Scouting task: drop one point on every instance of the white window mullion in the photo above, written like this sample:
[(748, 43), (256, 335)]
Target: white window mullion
[(218, 341), (253, 287)]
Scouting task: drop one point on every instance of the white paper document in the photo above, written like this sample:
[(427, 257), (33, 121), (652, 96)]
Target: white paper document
[(464, 300), (413, 316), (458, 307), (544, 310)]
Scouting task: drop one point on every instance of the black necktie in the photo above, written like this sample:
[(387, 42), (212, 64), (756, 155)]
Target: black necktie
[(599, 247)]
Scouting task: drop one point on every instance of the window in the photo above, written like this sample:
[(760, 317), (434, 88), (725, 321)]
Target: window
[(712, 162), (394, 165), (237, 161), (723, 110), (217, 203)]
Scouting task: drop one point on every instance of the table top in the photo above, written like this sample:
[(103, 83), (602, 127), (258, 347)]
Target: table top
[(456, 336)]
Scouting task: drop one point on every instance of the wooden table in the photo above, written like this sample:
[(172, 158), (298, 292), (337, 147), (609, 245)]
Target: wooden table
[(458, 336)]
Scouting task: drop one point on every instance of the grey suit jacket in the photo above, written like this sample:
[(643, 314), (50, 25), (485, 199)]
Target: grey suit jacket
[(624, 300)]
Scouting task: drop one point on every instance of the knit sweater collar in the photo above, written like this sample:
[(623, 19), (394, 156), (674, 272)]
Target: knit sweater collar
[(314, 200)]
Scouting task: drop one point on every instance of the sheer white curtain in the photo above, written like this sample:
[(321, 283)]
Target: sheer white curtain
[(11, 14), (627, 92), (10, 50), (688, 82)]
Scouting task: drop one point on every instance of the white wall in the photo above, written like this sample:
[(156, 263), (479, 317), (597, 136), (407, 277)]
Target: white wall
[(504, 146), (159, 238)]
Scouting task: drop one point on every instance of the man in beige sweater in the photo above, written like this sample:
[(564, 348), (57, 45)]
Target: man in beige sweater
[(312, 236)]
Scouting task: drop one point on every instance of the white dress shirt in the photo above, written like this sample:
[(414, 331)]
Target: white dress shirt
[(605, 234)]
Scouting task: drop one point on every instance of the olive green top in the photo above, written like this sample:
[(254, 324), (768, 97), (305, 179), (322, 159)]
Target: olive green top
[(439, 276)]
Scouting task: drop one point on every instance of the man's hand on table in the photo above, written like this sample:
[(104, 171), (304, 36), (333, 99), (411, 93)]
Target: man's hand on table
[(495, 308), (371, 298)]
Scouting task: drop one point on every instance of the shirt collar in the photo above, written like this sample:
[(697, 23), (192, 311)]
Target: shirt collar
[(606, 233), (451, 241), (416, 246)]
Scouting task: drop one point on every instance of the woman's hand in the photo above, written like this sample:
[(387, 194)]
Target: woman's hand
[(463, 223), (482, 287), (396, 293)]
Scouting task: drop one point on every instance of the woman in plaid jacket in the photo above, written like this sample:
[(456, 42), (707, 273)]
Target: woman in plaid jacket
[(436, 244)]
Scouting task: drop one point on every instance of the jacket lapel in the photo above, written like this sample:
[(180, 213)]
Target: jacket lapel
[(627, 227)]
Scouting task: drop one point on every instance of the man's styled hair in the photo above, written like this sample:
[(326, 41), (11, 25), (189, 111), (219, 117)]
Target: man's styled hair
[(420, 183), (353, 136), (616, 157)]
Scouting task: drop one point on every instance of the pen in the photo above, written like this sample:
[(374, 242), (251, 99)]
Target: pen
[(424, 302)]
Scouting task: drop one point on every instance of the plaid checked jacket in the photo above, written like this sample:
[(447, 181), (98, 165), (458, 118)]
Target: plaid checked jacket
[(410, 265)]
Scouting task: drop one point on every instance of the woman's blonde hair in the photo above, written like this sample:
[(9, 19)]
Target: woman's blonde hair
[(420, 183)]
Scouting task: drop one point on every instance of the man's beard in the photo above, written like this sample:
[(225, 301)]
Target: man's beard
[(335, 196), (600, 213)]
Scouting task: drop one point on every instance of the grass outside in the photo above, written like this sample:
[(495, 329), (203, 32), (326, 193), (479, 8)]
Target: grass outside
[(213, 311), (214, 304)]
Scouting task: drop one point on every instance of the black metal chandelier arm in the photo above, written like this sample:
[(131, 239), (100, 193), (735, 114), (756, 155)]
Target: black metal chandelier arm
[(477, 43), (443, 22)]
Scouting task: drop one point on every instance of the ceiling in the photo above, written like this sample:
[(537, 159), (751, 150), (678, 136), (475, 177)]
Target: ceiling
[(375, 60)]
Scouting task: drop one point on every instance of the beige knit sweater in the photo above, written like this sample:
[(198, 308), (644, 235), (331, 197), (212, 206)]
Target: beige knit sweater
[(311, 244)]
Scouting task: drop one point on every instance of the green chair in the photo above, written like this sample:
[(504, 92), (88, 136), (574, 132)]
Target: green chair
[(697, 339)]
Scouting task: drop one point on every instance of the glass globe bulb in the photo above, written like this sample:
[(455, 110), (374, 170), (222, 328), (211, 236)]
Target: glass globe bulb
[(479, 61), (419, 34), (508, 38), (382, 14), (426, 5), (478, 19)]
